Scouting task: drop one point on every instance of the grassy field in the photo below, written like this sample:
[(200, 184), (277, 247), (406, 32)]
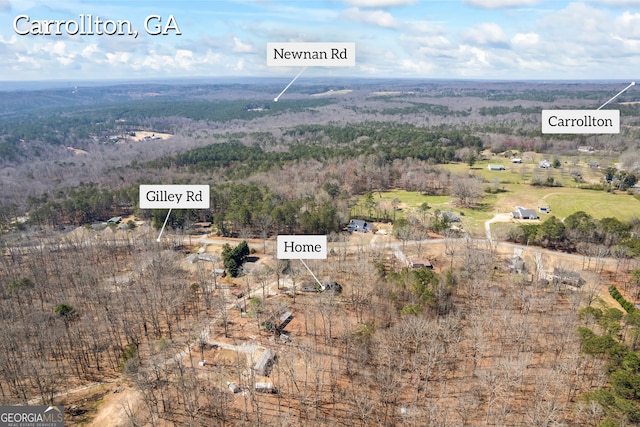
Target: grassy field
[(523, 173), (411, 199), (407, 200), (563, 202)]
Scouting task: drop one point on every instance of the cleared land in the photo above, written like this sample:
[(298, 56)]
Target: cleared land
[(334, 92), (563, 202), (144, 135)]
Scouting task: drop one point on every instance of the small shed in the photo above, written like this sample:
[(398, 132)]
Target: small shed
[(284, 321), (265, 388), (493, 167), (421, 263), (218, 272), (265, 363)]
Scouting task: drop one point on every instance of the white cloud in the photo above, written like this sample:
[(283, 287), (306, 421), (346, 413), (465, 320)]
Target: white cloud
[(28, 60), (58, 48), (118, 58), (429, 45), (487, 33), (416, 67), (477, 56), (65, 60), (240, 47), (578, 24), (12, 40), (368, 69), (89, 50), (525, 40), (379, 3), (379, 18), (616, 2), (629, 45), (184, 58), (432, 28), (628, 25), (180, 60), (498, 4)]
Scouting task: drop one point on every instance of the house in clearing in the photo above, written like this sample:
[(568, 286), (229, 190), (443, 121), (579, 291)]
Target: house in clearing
[(358, 225), (544, 164), (566, 277), (450, 216), (421, 263), (522, 213), (494, 167), (331, 286), (310, 286)]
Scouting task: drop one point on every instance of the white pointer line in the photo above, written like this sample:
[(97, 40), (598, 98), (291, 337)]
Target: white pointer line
[(285, 89), (314, 276), (617, 95), (164, 225)]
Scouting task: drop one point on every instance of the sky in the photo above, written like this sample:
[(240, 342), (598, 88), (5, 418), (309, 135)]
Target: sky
[(450, 39)]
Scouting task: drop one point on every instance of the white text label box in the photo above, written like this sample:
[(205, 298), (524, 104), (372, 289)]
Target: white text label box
[(174, 197), (284, 54), (302, 247), (580, 121)]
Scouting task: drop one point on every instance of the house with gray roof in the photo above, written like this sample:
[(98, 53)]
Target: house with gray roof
[(359, 225), (522, 213)]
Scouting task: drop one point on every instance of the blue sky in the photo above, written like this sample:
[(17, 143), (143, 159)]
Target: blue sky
[(459, 39)]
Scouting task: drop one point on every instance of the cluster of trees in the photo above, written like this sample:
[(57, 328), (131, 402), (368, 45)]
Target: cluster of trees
[(236, 209), (324, 142), (432, 109), (82, 204), (500, 109), (234, 258), (580, 232), (615, 293), (413, 291), (616, 338), (619, 179)]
